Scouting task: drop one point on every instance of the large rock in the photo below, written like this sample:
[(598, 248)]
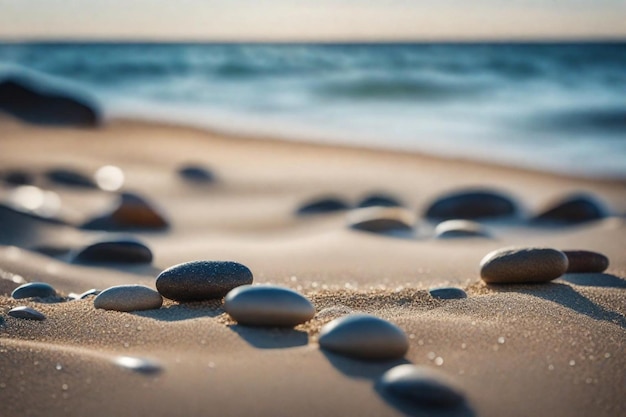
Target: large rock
[(479, 204), (36, 102)]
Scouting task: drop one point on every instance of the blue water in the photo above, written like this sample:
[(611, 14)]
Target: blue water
[(555, 107)]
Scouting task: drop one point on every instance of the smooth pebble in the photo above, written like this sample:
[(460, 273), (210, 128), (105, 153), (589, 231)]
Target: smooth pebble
[(268, 305), (447, 293), (479, 204), (128, 298), (421, 386), (459, 229), (70, 178), (28, 313), (120, 250), (364, 336), (379, 200), (381, 219), (523, 265), (202, 280), (572, 210), (586, 261), (34, 289), (196, 174), (323, 205)]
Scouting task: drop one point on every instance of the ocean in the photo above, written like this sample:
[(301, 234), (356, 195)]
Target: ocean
[(558, 107)]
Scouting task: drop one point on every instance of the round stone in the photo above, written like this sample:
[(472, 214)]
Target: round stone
[(128, 298), (447, 293), (28, 313), (480, 204), (140, 365), (130, 212), (586, 261), (268, 305), (196, 173), (421, 386), (323, 205), (202, 280), (572, 210), (523, 265), (365, 337), (379, 200), (381, 219), (34, 289), (123, 250), (451, 229)]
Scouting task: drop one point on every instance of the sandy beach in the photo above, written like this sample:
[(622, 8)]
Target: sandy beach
[(551, 349)]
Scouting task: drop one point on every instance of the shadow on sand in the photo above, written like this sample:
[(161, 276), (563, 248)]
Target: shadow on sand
[(271, 337), (595, 280), (186, 311)]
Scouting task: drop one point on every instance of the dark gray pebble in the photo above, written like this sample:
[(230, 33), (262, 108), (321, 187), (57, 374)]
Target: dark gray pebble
[(128, 298), (379, 200), (268, 305), (447, 293), (522, 265), (122, 250), (34, 289), (196, 174), (365, 337), (479, 204), (572, 210), (421, 386), (28, 313), (202, 280), (381, 219), (69, 177), (323, 205), (586, 261), (17, 177)]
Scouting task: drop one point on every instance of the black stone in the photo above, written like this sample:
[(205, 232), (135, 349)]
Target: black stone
[(124, 250), (34, 289), (323, 205), (196, 173), (447, 293), (16, 177), (479, 204), (202, 280), (572, 210), (35, 102), (69, 178), (379, 200)]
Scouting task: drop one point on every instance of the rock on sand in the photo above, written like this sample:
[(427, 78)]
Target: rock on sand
[(523, 265)]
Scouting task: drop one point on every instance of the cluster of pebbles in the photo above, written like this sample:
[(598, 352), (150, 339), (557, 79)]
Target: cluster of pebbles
[(354, 335)]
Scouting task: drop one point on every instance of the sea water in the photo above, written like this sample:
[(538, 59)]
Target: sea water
[(558, 107)]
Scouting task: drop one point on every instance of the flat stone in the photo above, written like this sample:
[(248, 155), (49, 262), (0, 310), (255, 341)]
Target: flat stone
[(381, 219), (479, 204), (202, 280), (450, 229), (447, 293), (572, 210), (28, 313), (421, 386), (121, 250), (196, 174), (128, 298), (323, 205), (379, 200), (523, 265), (268, 305), (586, 261), (139, 365), (34, 289), (364, 336), (70, 178), (129, 213)]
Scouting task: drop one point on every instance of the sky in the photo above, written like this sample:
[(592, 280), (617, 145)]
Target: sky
[(312, 20)]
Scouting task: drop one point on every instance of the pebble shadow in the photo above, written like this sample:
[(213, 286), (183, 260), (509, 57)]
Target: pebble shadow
[(410, 409), (568, 297), (595, 280), (186, 311), (271, 337)]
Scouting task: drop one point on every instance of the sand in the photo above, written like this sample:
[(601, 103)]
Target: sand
[(541, 350)]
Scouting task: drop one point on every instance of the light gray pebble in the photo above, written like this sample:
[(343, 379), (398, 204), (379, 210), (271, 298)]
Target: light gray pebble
[(268, 305), (202, 280), (523, 265), (364, 336), (128, 298), (459, 228)]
